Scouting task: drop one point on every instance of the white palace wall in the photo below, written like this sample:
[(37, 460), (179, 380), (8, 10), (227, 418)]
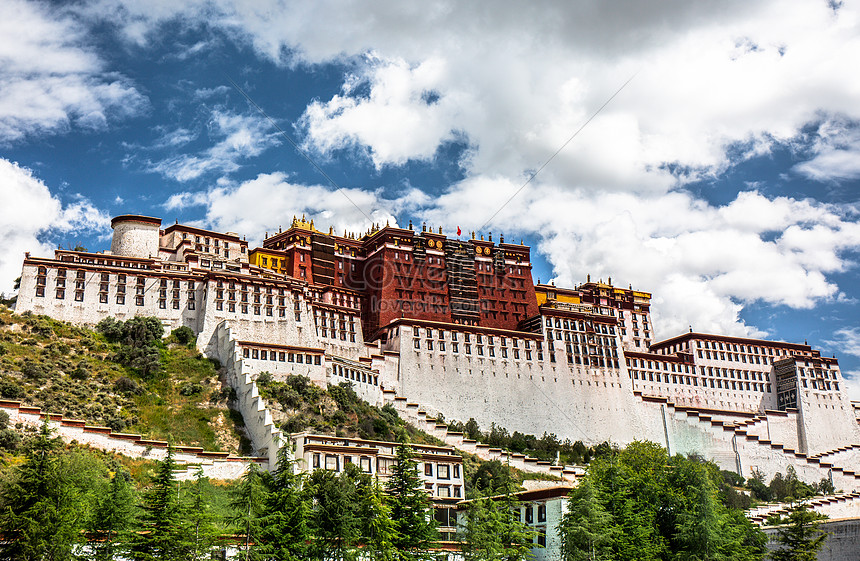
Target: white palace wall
[(826, 419), (533, 397), (90, 309)]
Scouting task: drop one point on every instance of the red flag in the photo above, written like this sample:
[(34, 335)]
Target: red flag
[(459, 231)]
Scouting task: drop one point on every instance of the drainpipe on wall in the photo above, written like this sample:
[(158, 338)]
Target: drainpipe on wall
[(665, 429), (737, 455)]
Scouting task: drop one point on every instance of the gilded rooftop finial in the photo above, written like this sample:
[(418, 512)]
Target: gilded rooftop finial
[(303, 224)]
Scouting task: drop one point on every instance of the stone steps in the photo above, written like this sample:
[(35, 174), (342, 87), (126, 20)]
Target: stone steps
[(842, 505), (842, 478), (414, 414)]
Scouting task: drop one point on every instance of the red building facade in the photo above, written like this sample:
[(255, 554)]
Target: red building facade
[(400, 273)]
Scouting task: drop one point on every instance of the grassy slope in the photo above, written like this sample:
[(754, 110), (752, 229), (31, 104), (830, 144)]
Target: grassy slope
[(70, 370)]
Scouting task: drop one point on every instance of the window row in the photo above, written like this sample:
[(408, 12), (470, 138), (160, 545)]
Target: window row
[(658, 365), (282, 356), (467, 337), (355, 375), (441, 346)]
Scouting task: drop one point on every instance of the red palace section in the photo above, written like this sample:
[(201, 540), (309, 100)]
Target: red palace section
[(399, 273)]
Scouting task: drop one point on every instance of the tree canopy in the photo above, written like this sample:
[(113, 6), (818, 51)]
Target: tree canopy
[(641, 504)]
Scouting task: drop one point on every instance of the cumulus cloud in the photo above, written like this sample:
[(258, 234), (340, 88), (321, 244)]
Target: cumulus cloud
[(51, 79), (30, 215), (240, 207), (710, 77), (835, 152), (852, 384), (237, 137), (401, 118), (847, 341)]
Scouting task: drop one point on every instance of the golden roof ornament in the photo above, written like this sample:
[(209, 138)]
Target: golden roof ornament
[(303, 224)]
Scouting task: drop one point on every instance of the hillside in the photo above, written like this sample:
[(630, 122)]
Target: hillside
[(79, 373), (95, 376)]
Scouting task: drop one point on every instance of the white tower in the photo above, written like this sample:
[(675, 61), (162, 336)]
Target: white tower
[(135, 236)]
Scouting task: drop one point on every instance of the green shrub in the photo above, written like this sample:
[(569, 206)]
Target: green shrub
[(344, 396), (11, 389), (116, 424), (190, 388), (183, 335), (111, 328), (80, 373), (296, 423), (9, 439), (34, 371), (126, 385)]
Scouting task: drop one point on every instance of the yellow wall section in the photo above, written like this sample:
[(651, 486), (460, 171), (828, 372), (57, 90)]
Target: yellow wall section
[(274, 261)]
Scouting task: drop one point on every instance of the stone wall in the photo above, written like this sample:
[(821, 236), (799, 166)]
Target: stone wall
[(842, 544), (266, 437), (216, 465)]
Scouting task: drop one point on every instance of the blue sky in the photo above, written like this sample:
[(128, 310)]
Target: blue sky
[(724, 178)]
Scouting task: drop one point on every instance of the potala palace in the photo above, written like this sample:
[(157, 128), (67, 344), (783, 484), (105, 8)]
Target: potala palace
[(457, 327)]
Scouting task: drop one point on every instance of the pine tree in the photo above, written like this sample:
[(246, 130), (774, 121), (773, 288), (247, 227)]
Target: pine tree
[(284, 532), (336, 511), (162, 529), (113, 517), (42, 510), (410, 507), (481, 532), (586, 527), (801, 539), (247, 504), (200, 518), (378, 531), (494, 530)]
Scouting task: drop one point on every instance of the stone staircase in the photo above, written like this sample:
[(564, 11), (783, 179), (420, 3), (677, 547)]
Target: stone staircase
[(414, 414), (839, 455), (215, 465), (845, 505), (751, 446), (259, 423)]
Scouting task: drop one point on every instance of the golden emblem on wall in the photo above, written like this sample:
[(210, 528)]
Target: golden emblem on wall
[(486, 251)]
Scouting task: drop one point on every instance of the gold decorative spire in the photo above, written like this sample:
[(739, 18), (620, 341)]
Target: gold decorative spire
[(303, 224)]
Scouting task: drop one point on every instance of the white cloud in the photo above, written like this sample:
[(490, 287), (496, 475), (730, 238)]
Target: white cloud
[(400, 119), (852, 384), (515, 83), (271, 200), (237, 138), (30, 214), (836, 152), (846, 340), (51, 79)]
